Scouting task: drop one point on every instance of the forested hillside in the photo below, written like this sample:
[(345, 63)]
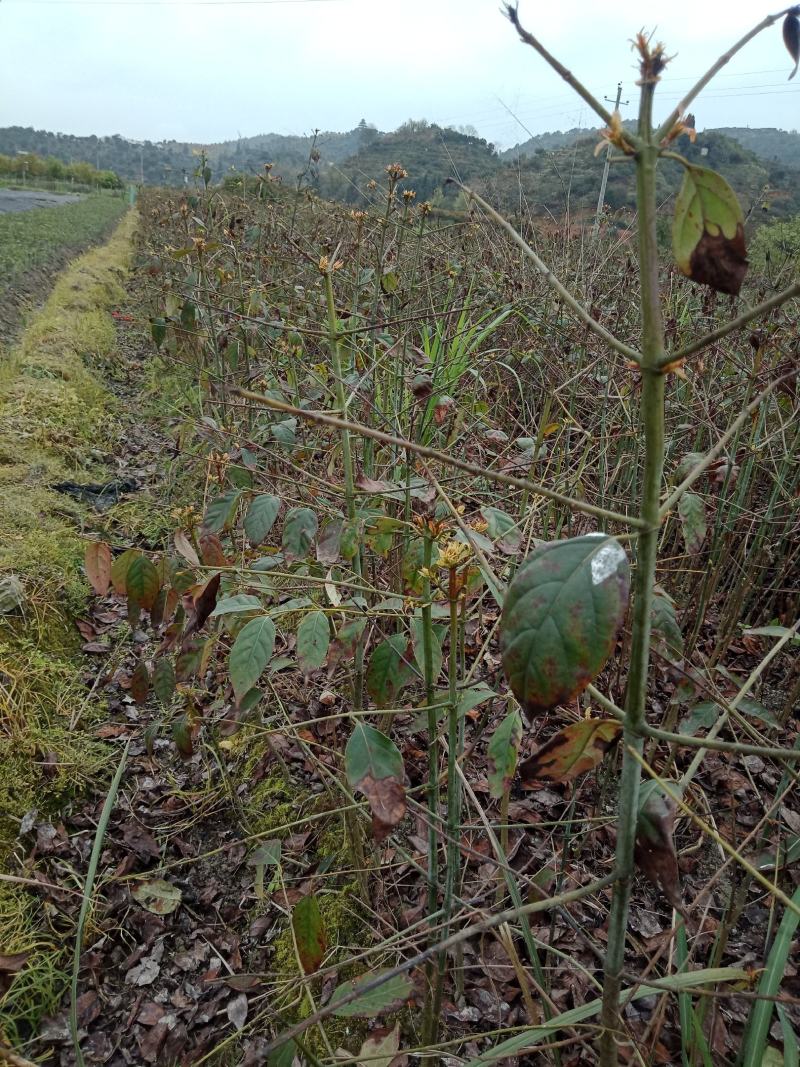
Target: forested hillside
[(548, 174)]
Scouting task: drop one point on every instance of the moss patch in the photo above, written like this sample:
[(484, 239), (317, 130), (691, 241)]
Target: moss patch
[(56, 421)]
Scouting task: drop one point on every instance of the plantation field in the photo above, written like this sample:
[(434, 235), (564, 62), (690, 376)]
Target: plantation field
[(441, 589), (36, 243)]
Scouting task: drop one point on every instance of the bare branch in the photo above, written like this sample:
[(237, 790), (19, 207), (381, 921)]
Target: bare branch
[(696, 89), (735, 324), (528, 38), (550, 277)]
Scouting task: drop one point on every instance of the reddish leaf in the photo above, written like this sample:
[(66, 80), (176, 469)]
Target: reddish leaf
[(211, 550), (572, 751), (655, 850), (204, 603), (140, 683), (309, 933), (98, 566)]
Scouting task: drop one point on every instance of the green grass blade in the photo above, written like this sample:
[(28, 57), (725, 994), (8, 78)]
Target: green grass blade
[(758, 1024)]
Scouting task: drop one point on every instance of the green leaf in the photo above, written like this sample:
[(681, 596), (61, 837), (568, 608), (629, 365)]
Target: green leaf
[(665, 633), (309, 933), (373, 765), (250, 654), (261, 515), (758, 1024), (222, 511), (299, 530), (164, 680), (182, 736), (471, 698), (560, 618), (692, 511), (417, 627), (142, 582), (158, 331), (285, 433), (708, 231), (503, 529), (701, 717), (232, 605), (119, 570), (502, 752), (157, 896), (389, 281), (390, 995), (313, 639), (283, 1056), (387, 672), (774, 631)]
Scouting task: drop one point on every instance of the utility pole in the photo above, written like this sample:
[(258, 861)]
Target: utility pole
[(602, 197)]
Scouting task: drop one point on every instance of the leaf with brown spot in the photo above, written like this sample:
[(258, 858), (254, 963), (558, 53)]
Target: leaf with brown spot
[(708, 231), (502, 752), (574, 750), (158, 896), (374, 766), (380, 1047), (560, 618), (98, 566), (655, 849)]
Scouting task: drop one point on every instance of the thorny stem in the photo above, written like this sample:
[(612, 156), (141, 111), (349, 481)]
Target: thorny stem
[(453, 820), (354, 830), (651, 417), (431, 1021)]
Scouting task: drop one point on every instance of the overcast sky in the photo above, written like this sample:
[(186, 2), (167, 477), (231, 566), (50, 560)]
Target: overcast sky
[(205, 71)]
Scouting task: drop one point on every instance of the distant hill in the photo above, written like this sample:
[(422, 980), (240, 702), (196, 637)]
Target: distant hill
[(429, 153), (568, 178), (547, 142), (166, 162), (779, 146), (547, 174)]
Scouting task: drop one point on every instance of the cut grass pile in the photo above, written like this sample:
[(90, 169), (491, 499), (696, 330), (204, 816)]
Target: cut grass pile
[(57, 421)]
